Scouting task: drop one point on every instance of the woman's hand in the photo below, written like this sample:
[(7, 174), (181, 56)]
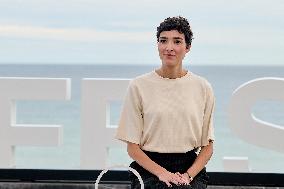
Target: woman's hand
[(185, 177), (174, 178)]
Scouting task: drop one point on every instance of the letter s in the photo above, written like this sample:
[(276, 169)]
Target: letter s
[(248, 127)]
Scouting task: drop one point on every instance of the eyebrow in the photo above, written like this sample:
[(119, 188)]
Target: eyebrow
[(173, 38)]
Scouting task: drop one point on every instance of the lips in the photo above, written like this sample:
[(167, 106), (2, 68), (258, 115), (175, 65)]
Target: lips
[(169, 57)]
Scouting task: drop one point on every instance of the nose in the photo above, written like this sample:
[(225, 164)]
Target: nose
[(169, 47)]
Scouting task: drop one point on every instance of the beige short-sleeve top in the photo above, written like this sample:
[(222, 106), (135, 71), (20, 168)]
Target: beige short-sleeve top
[(167, 115)]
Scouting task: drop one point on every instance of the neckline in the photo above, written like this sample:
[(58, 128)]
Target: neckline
[(170, 79)]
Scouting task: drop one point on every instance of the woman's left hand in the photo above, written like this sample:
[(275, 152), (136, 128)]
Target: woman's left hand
[(185, 178)]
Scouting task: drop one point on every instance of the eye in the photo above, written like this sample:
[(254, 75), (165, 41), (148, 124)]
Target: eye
[(162, 41), (177, 42)]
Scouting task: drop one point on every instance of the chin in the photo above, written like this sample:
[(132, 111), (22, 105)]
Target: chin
[(170, 63)]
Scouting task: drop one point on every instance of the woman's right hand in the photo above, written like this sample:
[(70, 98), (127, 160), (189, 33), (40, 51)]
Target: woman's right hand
[(171, 178)]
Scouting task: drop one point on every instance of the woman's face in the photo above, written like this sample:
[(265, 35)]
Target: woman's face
[(172, 48)]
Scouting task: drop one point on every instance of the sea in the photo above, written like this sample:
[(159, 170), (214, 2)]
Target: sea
[(224, 80)]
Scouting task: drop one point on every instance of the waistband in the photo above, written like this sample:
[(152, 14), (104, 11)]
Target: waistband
[(158, 154)]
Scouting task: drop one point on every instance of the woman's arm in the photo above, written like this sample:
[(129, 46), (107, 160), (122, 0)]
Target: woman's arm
[(207, 133), (135, 152), (201, 160)]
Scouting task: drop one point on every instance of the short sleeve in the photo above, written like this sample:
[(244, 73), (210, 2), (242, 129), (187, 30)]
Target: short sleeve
[(208, 129), (131, 117)]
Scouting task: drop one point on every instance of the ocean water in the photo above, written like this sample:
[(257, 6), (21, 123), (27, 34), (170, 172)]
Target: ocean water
[(224, 79)]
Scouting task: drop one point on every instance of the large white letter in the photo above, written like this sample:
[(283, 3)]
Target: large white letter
[(96, 137), (11, 133), (245, 124)]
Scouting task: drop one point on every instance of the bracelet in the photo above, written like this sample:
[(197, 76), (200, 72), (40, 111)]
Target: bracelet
[(190, 177)]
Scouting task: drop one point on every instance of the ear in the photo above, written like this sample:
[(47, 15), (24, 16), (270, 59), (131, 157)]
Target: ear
[(188, 48)]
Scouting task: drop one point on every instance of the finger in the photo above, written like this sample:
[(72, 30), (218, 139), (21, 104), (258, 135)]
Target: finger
[(179, 177), (183, 180), (168, 183), (186, 180), (178, 173), (174, 181)]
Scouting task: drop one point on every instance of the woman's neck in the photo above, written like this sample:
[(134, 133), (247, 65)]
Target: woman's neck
[(171, 73)]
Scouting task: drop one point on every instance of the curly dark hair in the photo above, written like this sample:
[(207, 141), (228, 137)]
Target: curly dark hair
[(176, 23)]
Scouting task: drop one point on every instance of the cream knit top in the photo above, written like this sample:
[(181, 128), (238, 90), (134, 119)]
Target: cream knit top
[(167, 115)]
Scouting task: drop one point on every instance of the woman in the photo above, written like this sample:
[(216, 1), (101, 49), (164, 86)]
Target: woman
[(166, 119)]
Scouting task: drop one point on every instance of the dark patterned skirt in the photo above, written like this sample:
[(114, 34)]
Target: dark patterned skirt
[(173, 162)]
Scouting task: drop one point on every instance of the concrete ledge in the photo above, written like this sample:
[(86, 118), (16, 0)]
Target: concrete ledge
[(17, 185), (42, 178)]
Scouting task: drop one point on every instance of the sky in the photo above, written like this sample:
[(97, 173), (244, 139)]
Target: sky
[(226, 32)]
